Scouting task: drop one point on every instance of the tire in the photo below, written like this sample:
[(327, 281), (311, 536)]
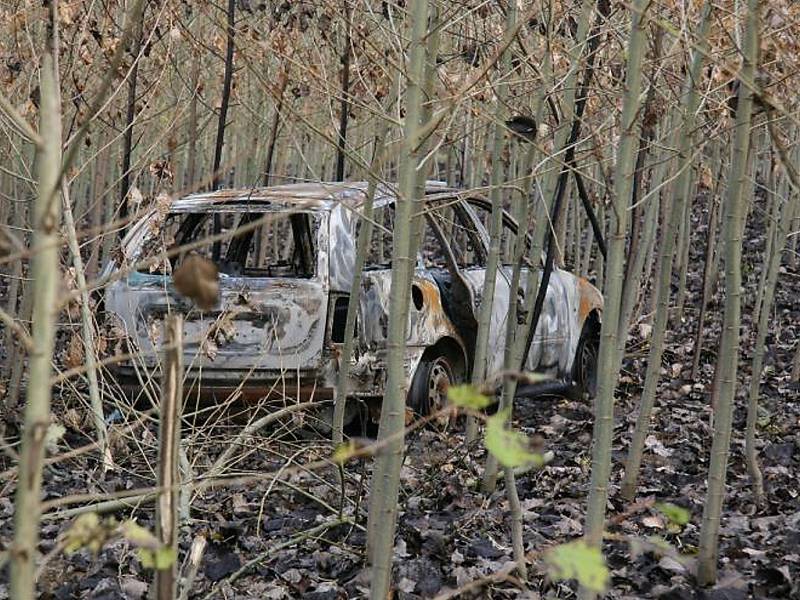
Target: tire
[(584, 367), (435, 373)]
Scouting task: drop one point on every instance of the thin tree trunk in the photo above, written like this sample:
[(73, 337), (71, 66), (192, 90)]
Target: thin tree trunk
[(677, 202), (537, 284), (362, 248), (660, 173), (386, 474), (685, 243), (262, 238), (728, 357), (344, 109), (98, 198), (655, 284), (169, 436), (772, 261), (608, 361), (275, 129), (774, 201), (45, 275), (18, 367), (13, 350), (636, 266), (223, 116), (426, 110), (191, 152), (561, 246), (514, 349), (641, 233), (771, 267), (600, 257), (711, 236), (515, 514), (87, 324), (130, 119), (480, 366), (595, 219)]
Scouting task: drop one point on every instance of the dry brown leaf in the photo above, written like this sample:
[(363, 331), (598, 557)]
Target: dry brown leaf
[(73, 357), (197, 278)]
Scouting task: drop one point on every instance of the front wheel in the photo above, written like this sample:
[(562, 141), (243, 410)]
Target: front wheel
[(428, 394), (584, 369)]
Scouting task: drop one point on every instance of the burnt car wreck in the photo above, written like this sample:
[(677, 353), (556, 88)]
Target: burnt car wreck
[(278, 326)]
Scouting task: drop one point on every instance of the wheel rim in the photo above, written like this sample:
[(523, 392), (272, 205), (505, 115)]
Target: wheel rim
[(440, 378)]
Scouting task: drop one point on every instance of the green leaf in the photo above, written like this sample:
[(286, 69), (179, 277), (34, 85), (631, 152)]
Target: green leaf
[(510, 448), (138, 535), (89, 531), (159, 559), (578, 560), (676, 514), (467, 396), (82, 532), (344, 452)]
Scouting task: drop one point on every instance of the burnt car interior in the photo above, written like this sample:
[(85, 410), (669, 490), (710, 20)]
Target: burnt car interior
[(283, 247)]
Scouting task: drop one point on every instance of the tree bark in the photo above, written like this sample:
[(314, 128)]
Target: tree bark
[(386, 474), (344, 108), (169, 436), (87, 327), (711, 237), (46, 280), (771, 267), (191, 151), (480, 367), (223, 116), (130, 119), (680, 192), (728, 357), (608, 361)]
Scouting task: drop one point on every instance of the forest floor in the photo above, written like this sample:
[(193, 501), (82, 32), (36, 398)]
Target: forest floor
[(449, 533)]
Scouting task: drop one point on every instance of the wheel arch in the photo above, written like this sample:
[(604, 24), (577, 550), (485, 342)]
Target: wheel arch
[(453, 349)]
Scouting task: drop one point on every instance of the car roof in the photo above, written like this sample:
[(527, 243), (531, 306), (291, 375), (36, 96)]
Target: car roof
[(319, 196)]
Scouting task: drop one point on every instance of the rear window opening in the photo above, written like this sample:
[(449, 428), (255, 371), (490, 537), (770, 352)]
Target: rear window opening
[(284, 246)]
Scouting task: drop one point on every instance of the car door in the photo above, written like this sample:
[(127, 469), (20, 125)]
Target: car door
[(427, 306), (552, 332)]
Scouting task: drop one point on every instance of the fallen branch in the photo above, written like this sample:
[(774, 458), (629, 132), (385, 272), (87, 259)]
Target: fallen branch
[(252, 428)]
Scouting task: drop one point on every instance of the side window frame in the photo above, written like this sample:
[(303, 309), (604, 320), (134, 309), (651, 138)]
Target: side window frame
[(509, 223), (464, 219)]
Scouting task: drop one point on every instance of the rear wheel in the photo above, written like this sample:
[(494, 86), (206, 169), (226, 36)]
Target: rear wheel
[(435, 374), (584, 369)]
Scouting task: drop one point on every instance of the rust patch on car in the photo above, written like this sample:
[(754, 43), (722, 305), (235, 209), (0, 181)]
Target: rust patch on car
[(590, 299)]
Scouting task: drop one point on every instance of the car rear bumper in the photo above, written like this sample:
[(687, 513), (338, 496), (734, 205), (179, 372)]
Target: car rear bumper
[(220, 385)]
